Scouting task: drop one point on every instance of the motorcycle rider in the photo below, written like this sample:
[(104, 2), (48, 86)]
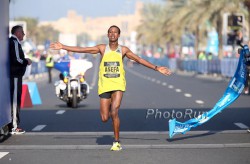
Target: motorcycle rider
[(77, 68)]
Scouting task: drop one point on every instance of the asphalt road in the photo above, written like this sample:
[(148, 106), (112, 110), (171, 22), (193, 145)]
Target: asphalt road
[(58, 134)]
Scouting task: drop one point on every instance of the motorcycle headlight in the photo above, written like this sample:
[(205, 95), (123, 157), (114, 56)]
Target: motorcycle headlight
[(74, 84)]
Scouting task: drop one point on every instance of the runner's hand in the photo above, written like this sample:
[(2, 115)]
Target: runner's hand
[(56, 46), (164, 70)]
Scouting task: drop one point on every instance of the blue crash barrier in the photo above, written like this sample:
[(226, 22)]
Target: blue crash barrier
[(226, 67), (38, 67)]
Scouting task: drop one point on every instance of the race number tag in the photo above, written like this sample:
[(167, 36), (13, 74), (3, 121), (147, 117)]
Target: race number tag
[(111, 69)]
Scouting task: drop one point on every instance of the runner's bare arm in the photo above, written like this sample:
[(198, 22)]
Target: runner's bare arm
[(132, 56), (92, 50)]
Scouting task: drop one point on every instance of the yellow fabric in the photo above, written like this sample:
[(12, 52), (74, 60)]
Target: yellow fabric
[(49, 61), (111, 73)]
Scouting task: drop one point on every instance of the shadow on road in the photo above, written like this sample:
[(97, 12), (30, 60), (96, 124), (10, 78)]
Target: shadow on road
[(192, 136)]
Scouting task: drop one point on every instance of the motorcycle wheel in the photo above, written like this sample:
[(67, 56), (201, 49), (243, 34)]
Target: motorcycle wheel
[(74, 98)]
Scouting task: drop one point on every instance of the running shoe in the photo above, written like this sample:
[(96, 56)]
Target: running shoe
[(17, 131), (248, 130), (116, 146)]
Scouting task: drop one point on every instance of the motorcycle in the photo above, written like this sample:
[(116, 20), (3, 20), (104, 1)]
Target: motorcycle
[(72, 87)]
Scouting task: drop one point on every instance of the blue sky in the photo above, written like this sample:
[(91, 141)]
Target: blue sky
[(50, 10)]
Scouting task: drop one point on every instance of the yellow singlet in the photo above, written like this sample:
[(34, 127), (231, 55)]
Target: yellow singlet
[(111, 73)]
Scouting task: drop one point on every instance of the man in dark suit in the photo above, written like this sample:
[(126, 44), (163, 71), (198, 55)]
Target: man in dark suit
[(18, 65)]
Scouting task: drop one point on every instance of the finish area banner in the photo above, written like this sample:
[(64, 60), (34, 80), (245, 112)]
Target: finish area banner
[(233, 91)]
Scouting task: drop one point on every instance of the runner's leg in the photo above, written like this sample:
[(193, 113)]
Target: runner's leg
[(116, 99), (105, 108)]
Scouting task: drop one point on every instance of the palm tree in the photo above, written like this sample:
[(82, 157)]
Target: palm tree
[(180, 15), (153, 29), (247, 4), (197, 13), (149, 32)]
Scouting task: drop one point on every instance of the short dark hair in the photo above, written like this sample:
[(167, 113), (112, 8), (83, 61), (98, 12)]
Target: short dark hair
[(119, 31), (15, 28)]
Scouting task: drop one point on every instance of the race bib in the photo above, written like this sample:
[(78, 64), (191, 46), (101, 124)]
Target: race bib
[(112, 69)]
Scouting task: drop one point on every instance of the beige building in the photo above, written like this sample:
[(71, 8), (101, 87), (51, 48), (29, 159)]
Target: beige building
[(97, 27)]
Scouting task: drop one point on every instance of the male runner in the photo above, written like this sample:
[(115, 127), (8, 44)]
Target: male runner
[(112, 83)]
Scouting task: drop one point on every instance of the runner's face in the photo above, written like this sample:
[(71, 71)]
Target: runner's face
[(113, 34)]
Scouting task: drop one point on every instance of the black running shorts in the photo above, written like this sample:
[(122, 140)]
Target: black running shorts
[(107, 95)]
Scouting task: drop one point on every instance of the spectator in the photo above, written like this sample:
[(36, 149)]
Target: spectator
[(202, 56), (18, 66), (49, 65)]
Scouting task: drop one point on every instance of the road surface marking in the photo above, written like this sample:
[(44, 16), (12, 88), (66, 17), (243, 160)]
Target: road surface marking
[(38, 127), (131, 133), (177, 90), (164, 83), (128, 146), (240, 125), (170, 86), (187, 95), (2, 154), (199, 101), (60, 112)]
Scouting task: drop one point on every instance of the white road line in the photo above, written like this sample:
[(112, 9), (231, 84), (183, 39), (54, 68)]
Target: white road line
[(60, 112), (2, 154), (38, 127), (135, 73), (187, 95), (131, 133), (199, 101), (125, 146), (164, 83), (177, 90), (170, 86), (241, 125)]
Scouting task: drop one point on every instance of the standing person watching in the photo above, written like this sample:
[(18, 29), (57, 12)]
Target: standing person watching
[(239, 40), (17, 69), (112, 82), (49, 65)]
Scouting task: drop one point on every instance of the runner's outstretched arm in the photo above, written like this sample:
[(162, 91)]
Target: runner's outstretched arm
[(132, 56), (91, 50)]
